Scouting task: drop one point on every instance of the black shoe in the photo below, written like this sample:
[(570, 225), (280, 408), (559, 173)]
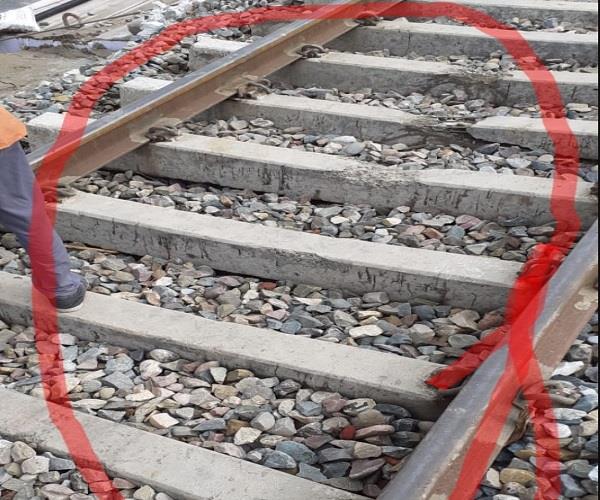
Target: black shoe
[(73, 302)]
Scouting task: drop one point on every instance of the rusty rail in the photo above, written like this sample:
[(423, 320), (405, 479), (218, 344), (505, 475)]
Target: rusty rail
[(432, 470), (48, 9), (124, 130)]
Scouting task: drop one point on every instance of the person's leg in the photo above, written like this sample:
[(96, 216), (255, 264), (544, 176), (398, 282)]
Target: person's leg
[(17, 184)]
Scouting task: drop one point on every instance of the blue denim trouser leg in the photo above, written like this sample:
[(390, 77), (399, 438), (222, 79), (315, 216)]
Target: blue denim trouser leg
[(17, 184)]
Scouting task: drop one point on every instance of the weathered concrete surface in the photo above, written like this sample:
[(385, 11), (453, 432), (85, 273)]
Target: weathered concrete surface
[(212, 48), (181, 470), (321, 365), (532, 133), (365, 122), (139, 87), (574, 87), (274, 253), (297, 173), (369, 123), (348, 72), (44, 129), (580, 12), (402, 38), (130, 93), (390, 126)]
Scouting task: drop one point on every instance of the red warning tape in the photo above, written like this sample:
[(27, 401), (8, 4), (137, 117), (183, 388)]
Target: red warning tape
[(520, 319)]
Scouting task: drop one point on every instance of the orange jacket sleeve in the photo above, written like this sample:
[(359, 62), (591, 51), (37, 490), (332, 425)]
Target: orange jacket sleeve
[(11, 129)]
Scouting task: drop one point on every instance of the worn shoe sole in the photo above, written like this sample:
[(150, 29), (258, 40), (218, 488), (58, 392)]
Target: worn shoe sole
[(70, 309), (74, 302)]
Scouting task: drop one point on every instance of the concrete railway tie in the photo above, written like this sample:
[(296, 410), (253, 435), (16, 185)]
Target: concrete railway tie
[(337, 336)]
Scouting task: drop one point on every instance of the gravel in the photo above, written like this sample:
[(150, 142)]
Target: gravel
[(27, 473), (355, 445), (547, 24), (464, 234), (450, 104), (352, 444), (573, 389), (55, 96), (496, 62), (489, 158), (418, 330)]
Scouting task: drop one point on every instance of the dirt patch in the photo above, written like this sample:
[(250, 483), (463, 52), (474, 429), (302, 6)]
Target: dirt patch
[(24, 70)]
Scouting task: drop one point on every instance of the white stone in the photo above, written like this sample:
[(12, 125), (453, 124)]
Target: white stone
[(35, 465), (284, 427), (569, 414), (559, 431), (5, 447), (162, 496), (365, 331), (144, 493), (392, 221), (593, 475), (56, 491), (150, 368), (21, 451), (182, 398), (338, 219), (230, 449), (162, 421), (286, 406), (218, 374), (264, 421), (567, 368), (492, 479), (246, 435), (163, 355), (90, 404), (140, 396), (67, 339)]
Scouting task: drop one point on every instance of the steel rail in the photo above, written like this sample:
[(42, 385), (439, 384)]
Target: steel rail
[(124, 130), (432, 470), (48, 9)]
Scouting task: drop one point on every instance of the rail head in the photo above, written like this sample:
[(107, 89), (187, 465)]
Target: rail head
[(125, 130), (571, 299)]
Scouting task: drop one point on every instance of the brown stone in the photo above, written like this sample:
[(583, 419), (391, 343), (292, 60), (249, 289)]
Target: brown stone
[(394, 320), (409, 320), (366, 450), (466, 319), (335, 425), (364, 468), (491, 319), (235, 425), (520, 476), (432, 234), (369, 418), (316, 442), (376, 430), (224, 391), (333, 405), (237, 375)]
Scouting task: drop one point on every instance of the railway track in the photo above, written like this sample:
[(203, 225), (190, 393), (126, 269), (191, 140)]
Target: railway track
[(263, 330)]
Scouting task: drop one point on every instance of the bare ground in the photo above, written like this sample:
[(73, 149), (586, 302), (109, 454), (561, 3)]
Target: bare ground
[(26, 69)]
